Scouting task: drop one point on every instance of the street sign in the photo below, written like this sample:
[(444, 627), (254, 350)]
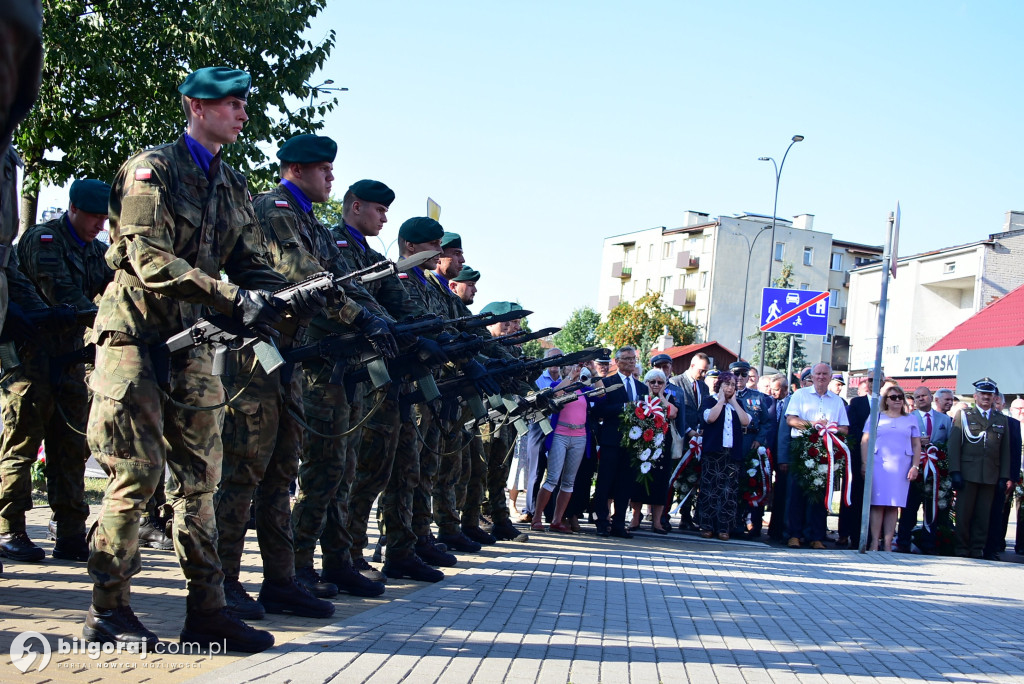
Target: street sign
[(794, 311)]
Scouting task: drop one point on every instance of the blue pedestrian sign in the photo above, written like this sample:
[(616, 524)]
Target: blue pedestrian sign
[(794, 311)]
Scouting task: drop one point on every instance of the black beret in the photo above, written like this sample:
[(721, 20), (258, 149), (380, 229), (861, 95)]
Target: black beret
[(661, 358), (986, 385), (91, 196), (739, 366), (420, 229), (467, 275), (213, 83), (373, 191), (453, 240), (308, 149)]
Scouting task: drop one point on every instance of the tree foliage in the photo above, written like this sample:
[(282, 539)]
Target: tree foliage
[(112, 69), (776, 347), (579, 331), (640, 323), (533, 348), (329, 213)]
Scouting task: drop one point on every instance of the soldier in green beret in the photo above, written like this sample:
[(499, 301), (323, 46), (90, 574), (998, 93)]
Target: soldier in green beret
[(179, 217), (464, 284)]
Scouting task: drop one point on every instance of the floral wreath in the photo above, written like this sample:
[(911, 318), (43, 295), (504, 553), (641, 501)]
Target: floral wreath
[(756, 483), (686, 477), (820, 458), (643, 425), (934, 471)]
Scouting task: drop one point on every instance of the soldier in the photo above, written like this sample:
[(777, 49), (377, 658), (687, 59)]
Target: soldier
[(979, 461), (262, 432), (47, 398), (178, 217), (464, 284), (757, 433)]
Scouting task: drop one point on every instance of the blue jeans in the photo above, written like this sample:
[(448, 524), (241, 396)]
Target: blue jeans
[(563, 461)]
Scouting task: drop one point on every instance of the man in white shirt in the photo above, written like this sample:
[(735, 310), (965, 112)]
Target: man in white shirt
[(810, 406)]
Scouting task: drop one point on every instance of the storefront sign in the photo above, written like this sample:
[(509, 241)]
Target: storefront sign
[(923, 364)]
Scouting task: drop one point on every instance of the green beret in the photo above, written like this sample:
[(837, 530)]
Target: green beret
[(498, 308), (308, 149), (420, 229), (467, 275), (213, 83), (373, 191), (453, 240), (90, 196)]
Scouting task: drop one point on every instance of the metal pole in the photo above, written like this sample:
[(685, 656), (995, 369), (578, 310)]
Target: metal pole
[(876, 385), (743, 315), (789, 365)]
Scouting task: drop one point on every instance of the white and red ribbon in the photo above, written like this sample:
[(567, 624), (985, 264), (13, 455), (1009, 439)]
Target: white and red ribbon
[(651, 406), (693, 452), (764, 468), (834, 446), (930, 464)]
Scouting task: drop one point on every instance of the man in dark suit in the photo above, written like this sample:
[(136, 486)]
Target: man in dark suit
[(778, 390), (615, 475), (675, 394), (694, 390), (934, 428), (1002, 501)]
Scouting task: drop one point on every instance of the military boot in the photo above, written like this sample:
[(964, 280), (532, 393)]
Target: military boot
[(378, 552), (429, 554), (440, 546), (479, 536), (460, 542), (117, 625), (412, 567), (17, 546), (239, 602), (151, 534), (351, 581), (290, 596), (368, 571), (317, 586), (220, 626), (505, 531), (71, 547)]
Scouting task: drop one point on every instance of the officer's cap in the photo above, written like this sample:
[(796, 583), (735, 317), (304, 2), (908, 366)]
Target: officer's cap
[(604, 361), (661, 358), (420, 229), (713, 373), (806, 375), (467, 275), (308, 149), (739, 367), (90, 196), (498, 308), (453, 240), (986, 385), (839, 379), (213, 83), (372, 191)]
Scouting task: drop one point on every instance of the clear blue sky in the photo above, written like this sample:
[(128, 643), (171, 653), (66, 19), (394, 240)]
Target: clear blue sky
[(543, 127)]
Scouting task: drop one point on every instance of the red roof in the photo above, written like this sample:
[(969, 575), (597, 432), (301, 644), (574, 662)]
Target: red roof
[(1000, 324), (676, 352), (934, 384)]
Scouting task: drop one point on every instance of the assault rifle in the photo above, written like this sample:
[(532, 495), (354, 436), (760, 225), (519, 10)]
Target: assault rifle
[(539, 406), (227, 334)]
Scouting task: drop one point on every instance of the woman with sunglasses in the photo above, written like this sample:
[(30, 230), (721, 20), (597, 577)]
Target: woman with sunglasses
[(897, 455)]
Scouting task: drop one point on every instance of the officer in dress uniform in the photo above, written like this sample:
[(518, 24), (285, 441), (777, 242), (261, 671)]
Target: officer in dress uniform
[(757, 433), (979, 461)]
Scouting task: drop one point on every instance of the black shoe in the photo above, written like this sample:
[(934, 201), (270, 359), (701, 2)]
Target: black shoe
[(412, 567), (621, 533), (902, 549), (152, 536), (657, 530), (992, 556), (460, 542), (429, 554), (239, 602), (17, 546), (476, 534), (351, 581), (440, 546), (605, 532), (72, 547), (292, 597), (378, 552), (220, 626), (118, 625), (317, 586), (51, 531), (368, 571), (504, 531)]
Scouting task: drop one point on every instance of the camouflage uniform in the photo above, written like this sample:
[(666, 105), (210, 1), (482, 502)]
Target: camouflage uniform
[(262, 438), (173, 228), (64, 273)]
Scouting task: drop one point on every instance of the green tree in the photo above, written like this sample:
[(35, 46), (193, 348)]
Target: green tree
[(776, 346), (532, 348), (329, 213), (640, 323), (112, 69), (580, 331)]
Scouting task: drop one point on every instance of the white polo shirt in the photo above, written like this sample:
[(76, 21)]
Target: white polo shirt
[(808, 405)]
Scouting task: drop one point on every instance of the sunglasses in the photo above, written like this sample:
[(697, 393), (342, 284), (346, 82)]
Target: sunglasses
[(897, 397)]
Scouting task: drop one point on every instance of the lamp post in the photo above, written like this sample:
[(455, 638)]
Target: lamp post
[(319, 88), (775, 210), (750, 252)]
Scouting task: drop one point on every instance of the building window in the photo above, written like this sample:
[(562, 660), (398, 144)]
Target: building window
[(808, 256), (805, 286), (666, 282), (828, 337), (636, 284), (704, 280), (647, 285), (667, 249), (834, 298), (682, 279), (837, 261), (949, 267), (780, 250), (650, 252)]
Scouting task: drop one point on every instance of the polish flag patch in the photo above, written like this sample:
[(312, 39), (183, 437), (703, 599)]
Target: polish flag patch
[(143, 174), (343, 243), (403, 276), (46, 238), (280, 203)]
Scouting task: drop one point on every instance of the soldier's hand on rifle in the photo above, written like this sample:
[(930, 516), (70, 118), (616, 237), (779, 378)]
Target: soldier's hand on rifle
[(429, 350), (18, 326), (258, 311), (378, 332), (478, 374), (308, 303)]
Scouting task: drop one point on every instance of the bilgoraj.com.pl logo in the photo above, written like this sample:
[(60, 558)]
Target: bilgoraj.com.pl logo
[(27, 647)]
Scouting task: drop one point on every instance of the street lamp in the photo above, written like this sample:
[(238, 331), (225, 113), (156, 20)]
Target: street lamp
[(750, 251), (314, 89), (775, 210)]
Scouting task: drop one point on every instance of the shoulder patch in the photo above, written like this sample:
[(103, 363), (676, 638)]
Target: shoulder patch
[(403, 276), (342, 243), (143, 174), (46, 237), (281, 203)]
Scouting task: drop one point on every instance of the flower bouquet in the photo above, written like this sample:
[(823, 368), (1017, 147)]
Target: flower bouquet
[(644, 426), (936, 486), (39, 472), (686, 478), (756, 481), (820, 459)]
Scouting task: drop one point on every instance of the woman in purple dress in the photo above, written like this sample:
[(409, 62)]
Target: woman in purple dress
[(897, 454)]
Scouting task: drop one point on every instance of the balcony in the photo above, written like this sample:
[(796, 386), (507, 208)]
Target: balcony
[(613, 302), (684, 298), (846, 279), (686, 262), (620, 271)]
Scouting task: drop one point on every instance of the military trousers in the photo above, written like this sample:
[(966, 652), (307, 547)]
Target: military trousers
[(973, 507), (498, 450), (325, 473), (136, 429), (377, 444), (430, 437), (454, 461), (29, 404), (262, 442), (396, 505), (475, 482)]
